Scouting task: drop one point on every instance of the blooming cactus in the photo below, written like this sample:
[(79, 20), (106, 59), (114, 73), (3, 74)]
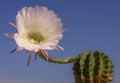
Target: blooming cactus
[(39, 29)]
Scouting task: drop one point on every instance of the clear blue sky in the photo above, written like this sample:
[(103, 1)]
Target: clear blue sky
[(92, 25)]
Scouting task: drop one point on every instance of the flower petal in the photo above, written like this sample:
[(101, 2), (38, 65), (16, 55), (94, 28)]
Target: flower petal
[(9, 35), (16, 49), (29, 57), (15, 26), (45, 54), (35, 56), (59, 47)]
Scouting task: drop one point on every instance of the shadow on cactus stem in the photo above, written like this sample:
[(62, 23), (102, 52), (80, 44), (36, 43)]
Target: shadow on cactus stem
[(89, 67)]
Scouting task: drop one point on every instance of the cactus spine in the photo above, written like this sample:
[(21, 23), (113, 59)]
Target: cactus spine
[(93, 67)]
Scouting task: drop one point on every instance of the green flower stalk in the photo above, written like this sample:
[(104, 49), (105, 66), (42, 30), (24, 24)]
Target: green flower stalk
[(55, 60)]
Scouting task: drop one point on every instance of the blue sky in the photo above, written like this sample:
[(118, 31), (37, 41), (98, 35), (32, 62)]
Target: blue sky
[(91, 25)]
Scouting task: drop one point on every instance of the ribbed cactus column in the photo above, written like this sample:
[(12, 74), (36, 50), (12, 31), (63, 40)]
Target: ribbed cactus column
[(93, 67)]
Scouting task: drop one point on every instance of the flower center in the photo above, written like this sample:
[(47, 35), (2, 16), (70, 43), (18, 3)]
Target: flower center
[(36, 37)]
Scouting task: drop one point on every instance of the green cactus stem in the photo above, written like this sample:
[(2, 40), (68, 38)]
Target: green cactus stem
[(93, 67), (89, 67)]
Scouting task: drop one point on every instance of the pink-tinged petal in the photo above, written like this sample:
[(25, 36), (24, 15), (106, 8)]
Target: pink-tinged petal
[(35, 56), (36, 50), (9, 35), (29, 57), (13, 25), (45, 54), (57, 47), (16, 49)]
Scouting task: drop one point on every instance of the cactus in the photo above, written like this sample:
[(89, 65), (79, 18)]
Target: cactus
[(93, 67), (89, 67)]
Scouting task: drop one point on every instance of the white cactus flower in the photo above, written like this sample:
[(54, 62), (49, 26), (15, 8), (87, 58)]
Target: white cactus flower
[(39, 29)]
